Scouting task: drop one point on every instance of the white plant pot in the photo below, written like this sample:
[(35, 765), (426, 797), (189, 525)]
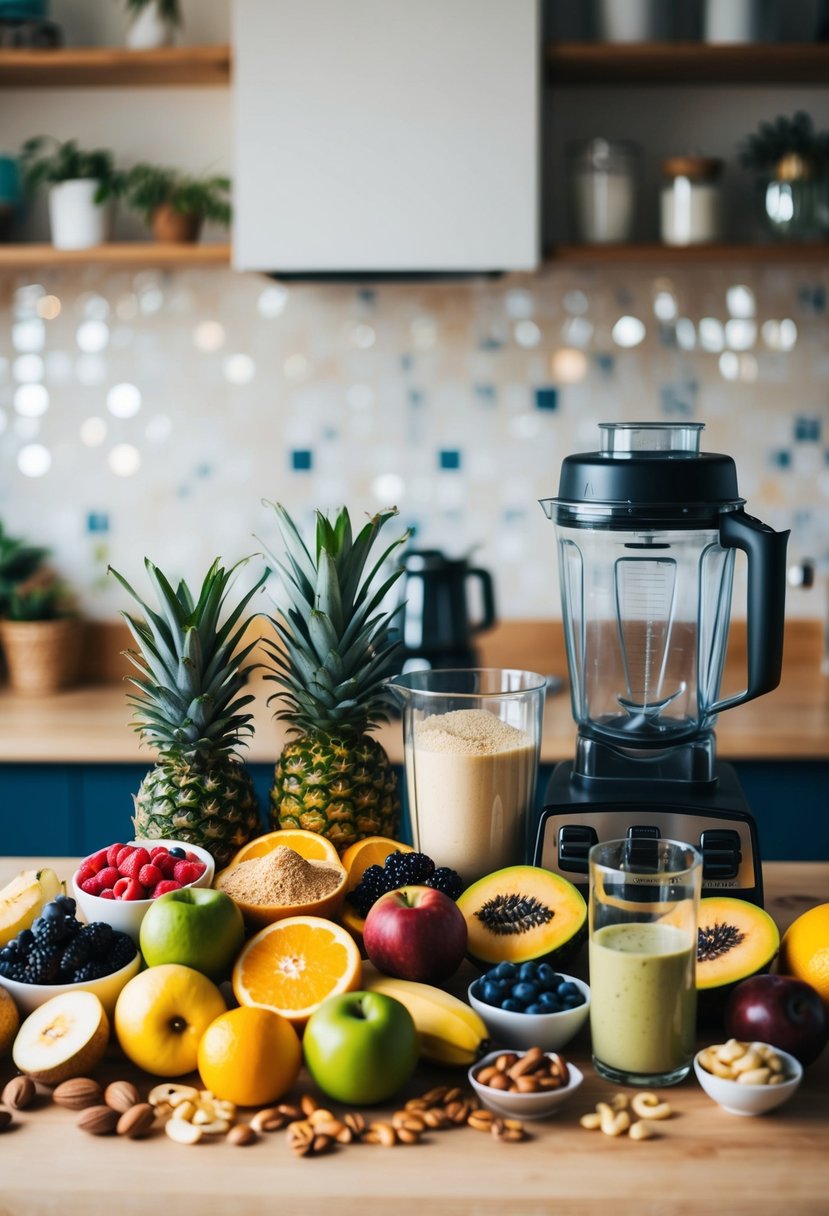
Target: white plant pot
[(631, 20), (149, 30), (76, 220)]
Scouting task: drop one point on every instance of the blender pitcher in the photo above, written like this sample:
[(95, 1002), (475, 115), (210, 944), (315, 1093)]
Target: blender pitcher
[(647, 530)]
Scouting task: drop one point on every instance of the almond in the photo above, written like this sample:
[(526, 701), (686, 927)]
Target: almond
[(19, 1093), (121, 1096), (137, 1121), (98, 1120), (242, 1134), (6, 1119), (78, 1093)]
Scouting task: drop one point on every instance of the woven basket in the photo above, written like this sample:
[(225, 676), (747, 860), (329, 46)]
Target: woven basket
[(41, 656)]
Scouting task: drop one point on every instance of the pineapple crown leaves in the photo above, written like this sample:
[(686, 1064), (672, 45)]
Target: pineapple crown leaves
[(333, 654), (191, 668)]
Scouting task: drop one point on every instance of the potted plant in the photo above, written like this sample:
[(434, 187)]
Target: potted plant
[(175, 205), (40, 636), (152, 23), (81, 185), (792, 163)]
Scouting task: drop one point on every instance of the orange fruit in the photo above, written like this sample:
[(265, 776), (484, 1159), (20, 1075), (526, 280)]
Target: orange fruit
[(309, 845), (804, 950), (9, 1022), (293, 965), (249, 1056), (371, 851)]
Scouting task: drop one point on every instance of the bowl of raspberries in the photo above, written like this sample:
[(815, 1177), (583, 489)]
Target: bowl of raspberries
[(117, 884), (60, 953)]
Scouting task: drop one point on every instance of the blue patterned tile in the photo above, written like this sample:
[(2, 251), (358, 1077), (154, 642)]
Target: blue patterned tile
[(546, 398), (449, 458), (302, 460), (605, 364), (97, 521), (406, 363), (486, 392), (416, 397), (782, 458), (490, 344), (204, 469), (807, 430)]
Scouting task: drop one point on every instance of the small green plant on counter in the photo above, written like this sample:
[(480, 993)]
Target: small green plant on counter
[(168, 10), (47, 161), (149, 187), (47, 603), (18, 562), (784, 137)]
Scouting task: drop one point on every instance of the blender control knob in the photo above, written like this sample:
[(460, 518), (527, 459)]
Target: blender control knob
[(575, 841), (721, 853)]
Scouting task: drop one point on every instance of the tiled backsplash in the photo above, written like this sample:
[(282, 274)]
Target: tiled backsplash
[(152, 413)]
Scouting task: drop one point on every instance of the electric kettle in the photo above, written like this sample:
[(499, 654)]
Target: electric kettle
[(436, 623)]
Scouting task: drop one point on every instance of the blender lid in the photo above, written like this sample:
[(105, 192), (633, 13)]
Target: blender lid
[(645, 472)]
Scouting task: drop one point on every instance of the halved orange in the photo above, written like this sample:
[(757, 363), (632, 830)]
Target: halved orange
[(293, 965), (371, 851), (309, 845)]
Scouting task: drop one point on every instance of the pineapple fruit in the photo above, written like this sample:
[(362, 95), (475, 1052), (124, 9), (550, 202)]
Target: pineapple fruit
[(188, 706), (330, 662)]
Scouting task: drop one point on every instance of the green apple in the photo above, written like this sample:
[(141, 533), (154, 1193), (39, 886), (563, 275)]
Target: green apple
[(197, 927), (360, 1047)]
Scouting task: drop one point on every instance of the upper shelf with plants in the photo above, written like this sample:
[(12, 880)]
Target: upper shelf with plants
[(108, 67), (575, 63)]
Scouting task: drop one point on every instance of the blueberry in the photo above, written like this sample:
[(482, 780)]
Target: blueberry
[(572, 1002), (490, 993), (52, 911), (177, 852), (549, 1002), (528, 972), (568, 989), (546, 977), (536, 1008), (526, 993), (505, 971), (510, 1005)]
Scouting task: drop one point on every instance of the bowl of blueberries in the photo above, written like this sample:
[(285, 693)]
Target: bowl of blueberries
[(60, 954), (530, 1004)]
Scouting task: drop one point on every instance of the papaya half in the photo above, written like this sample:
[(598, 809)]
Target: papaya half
[(522, 913), (735, 940)]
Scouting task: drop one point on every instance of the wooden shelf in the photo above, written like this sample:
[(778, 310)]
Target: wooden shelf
[(127, 253), (669, 255), (108, 67), (572, 63)]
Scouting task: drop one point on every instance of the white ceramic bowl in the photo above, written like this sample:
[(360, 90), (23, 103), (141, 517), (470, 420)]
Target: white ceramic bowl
[(28, 997), (521, 1031), (740, 1099), (127, 915), (523, 1106)]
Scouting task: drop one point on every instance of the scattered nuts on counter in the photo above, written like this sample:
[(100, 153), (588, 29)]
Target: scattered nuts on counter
[(241, 1135), (78, 1093), (649, 1106), (747, 1063), (19, 1093), (613, 1117), (183, 1132), (121, 1096), (526, 1074), (137, 1121), (98, 1120)]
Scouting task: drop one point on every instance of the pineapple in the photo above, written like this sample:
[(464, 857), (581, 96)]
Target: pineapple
[(188, 706), (331, 662)]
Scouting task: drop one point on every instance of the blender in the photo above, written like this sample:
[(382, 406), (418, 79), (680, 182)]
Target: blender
[(647, 531)]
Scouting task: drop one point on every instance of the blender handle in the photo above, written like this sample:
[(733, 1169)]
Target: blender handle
[(765, 550), (488, 594)]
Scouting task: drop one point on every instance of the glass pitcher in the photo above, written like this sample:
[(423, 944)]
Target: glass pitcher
[(647, 530)]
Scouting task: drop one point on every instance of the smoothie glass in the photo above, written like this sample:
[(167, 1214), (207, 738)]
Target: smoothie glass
[(472, 738), (643, 908)]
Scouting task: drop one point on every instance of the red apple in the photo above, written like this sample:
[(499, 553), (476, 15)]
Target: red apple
[(781, 1010), (416, 933)]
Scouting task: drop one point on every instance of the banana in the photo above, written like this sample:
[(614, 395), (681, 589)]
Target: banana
[(22, 900), (450, 1032)]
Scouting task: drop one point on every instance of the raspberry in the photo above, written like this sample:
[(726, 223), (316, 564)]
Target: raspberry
[(123, 854), (131, 865), (112, 854), (166, 884), (191, 856), (120, 887), (84, 872), (97, 861), (165, 864), (108, 894), (131, 889), (187, 872), (159, 849), (108, 876), (93, 885), (149, 875)]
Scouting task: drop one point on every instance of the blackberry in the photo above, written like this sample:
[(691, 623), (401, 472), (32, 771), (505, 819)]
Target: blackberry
[(48, 932), (42, 966), (446, 880), (121, 952), (97, 937), (25, 941), (17, 971), (408, 869), (75, 954), (90, 971), (369, 889), (8, 954), (67, 903)]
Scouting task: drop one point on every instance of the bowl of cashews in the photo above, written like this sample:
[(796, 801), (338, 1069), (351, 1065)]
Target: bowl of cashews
[(747, 1078)]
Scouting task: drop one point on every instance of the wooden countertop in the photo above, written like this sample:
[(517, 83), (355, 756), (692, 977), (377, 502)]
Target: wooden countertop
[(91, 723), (704, 1161)]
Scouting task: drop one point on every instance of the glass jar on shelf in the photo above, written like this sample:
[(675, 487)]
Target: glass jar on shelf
[(603, 184), (690, 201), (792, 198)]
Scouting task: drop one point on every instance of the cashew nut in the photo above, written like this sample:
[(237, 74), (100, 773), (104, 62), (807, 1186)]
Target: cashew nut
[(170, 1090), (649, 1106), (591, 1122), (619, 1102), (612, 1123), (754, 1076), (183, 1132), (641, 1131)]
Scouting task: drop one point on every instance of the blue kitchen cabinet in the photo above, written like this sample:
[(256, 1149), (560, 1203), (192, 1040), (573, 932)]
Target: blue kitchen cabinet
[(37, 809)]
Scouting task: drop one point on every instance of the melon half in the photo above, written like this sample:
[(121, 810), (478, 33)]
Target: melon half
[(64, 1037)]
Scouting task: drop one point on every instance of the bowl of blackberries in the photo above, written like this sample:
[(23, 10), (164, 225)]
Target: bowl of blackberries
[(59, 953), (530, 1004)]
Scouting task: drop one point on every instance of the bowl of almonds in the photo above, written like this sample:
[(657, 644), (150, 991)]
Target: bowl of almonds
[(525, 1084), (747, 1078)]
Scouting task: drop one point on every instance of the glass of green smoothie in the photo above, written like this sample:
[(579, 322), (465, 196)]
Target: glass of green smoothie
[(644, 903)]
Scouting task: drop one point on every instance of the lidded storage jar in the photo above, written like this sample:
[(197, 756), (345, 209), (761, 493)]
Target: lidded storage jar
[(603, 176), (690, 200)]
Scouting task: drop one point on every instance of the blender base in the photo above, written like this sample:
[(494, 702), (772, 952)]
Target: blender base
[(716, 820)]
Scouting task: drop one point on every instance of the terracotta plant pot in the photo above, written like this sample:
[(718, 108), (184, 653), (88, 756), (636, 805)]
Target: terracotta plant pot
[(170, 227), (41, 656)]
